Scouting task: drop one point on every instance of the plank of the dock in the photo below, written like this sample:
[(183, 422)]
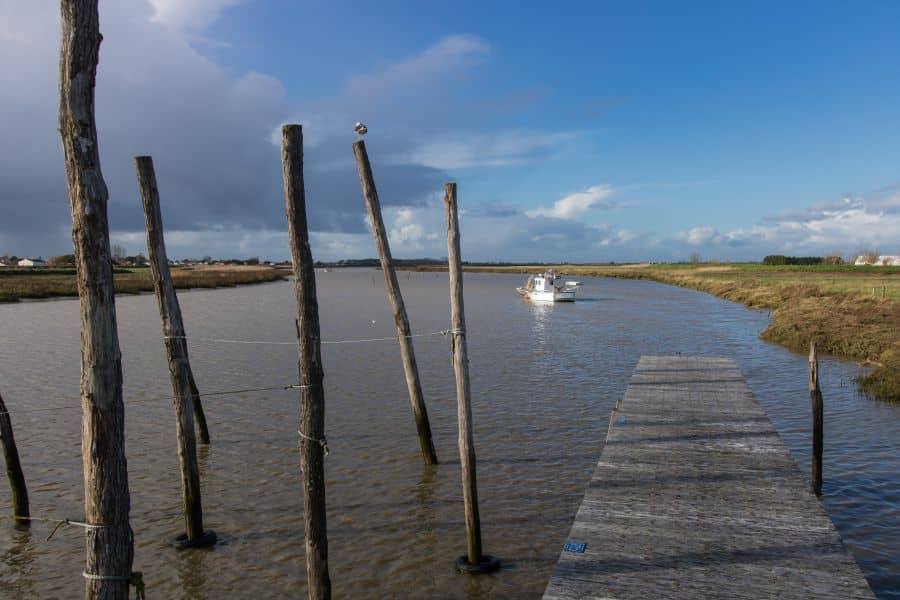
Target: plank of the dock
[(696, 496)]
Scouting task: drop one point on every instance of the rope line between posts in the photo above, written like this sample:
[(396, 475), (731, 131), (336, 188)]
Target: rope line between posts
[(294, 343), (169, 397), (59, 523)]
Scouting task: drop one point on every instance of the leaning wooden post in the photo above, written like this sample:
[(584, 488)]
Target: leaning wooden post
[(13, 468), (815, 397), (413, 385), (179, 363), (474, 561), (109, 545), (312, 397), (199, 415)]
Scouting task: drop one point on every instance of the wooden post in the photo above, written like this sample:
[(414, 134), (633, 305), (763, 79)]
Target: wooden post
[(13, 468), (110, 546), (312, 397), (815, 397), (474, 561), (370, 194), (179, 364), (199, 415)]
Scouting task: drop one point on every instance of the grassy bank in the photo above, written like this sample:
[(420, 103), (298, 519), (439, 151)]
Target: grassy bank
[(851, 312), (16, 284)]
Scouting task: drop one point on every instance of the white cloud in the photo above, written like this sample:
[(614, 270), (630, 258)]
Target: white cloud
[(189, 14), (499, 149), (450, 54), (577, 204), (700, 236), (408, 233), (845, 227)]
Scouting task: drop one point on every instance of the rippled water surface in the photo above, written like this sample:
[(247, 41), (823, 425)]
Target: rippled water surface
[(544, 379)]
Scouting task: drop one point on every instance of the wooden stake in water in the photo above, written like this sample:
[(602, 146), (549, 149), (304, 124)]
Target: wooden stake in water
[(313, 446), (815, 397), (474, 561), (13, 467), (110, 547), (170, 310), (179, 363), (413, 385)]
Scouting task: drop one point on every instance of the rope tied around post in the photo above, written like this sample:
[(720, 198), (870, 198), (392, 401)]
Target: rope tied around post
[(323, 442), (136, 580)]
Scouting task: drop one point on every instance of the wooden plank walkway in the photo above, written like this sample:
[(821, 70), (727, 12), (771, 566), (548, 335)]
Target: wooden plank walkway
[(696, 496)]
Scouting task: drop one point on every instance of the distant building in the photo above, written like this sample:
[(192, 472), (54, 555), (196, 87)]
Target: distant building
[(886, 260), (32, 262)]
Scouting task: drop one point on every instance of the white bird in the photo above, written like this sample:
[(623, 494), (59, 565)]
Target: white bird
[(361, 129)]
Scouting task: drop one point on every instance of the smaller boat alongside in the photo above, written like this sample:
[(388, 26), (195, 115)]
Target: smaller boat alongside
[(549, 287)]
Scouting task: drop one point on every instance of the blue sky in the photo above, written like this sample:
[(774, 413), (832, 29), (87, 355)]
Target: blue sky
[(590, 132)]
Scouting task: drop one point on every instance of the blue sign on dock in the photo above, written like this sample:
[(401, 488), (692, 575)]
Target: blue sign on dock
[(576, 547)]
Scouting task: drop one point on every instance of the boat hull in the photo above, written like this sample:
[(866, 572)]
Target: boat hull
[(555, 296)]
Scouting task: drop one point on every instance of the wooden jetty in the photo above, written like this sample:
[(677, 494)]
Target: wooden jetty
[(696, 496)]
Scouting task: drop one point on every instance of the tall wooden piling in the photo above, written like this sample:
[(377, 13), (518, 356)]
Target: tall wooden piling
[(404, 333), (13, 468), (818, 419), (110, 545), (312, 396), (474, 560), (180, 373)]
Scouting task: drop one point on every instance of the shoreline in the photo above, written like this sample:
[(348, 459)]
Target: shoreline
[(36, 286), (830, 306)]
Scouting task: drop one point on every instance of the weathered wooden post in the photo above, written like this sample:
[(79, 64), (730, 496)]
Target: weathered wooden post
[(312, 396), (413, 385), (13, 468), (474, 560), (815, 397), (110, 544), (199, 415), (179, 364)]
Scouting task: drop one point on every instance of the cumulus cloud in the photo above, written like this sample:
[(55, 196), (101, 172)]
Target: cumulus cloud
[(576, 205), (700, 236), (842, 226)]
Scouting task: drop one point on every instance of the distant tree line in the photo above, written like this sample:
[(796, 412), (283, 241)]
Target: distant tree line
[(780, 259)]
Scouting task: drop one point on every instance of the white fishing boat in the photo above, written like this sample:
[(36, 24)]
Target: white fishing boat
[(549, 287)]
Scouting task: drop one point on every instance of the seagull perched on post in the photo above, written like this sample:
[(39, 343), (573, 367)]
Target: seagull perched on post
[(361, 129)]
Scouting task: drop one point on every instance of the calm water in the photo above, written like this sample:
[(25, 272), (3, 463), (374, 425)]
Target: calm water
[(544, 379)]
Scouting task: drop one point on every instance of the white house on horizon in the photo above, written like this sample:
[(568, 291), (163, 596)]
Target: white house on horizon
[(886, 260), (32, 262)]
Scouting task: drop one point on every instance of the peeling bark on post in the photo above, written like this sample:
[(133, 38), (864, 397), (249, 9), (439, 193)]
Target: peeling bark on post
[(413, 385), (110, 548), (312, 395), (176, 350), (818, 420), (13, 467)]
